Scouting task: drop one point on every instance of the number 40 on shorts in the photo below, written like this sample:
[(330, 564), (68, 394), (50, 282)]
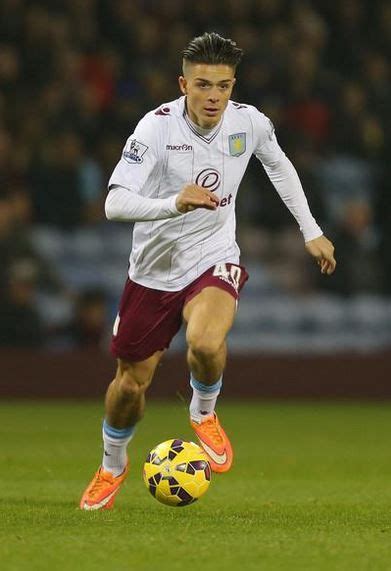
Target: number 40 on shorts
[(230, 275)]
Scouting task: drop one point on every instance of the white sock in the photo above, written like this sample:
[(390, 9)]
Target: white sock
[(115, 443), (204, 398)]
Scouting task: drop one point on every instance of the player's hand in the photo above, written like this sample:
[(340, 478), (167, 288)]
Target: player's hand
[(193, 196), (323, 251)]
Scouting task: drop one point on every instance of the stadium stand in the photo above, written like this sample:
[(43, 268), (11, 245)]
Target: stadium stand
[(75, 76)]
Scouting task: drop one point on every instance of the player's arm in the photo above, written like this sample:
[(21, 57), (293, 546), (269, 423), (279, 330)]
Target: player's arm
[(123, 204), (137, 172), (126, 200), (285, 179)]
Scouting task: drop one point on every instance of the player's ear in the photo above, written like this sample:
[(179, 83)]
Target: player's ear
[(182, 84)]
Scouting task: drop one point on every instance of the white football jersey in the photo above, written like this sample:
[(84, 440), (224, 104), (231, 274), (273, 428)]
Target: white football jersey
[(166, 152)]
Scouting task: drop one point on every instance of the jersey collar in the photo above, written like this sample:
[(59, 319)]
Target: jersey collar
[(207, 135)]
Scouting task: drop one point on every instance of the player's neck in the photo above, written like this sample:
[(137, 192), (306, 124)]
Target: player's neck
[(199, 124)]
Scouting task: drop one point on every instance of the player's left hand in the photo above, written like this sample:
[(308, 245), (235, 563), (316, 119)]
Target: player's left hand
[(323, 251)]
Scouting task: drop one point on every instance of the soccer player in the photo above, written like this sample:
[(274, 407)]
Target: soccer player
[(177, 180)]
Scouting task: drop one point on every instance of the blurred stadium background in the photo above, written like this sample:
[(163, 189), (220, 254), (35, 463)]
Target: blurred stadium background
[(75, 78)]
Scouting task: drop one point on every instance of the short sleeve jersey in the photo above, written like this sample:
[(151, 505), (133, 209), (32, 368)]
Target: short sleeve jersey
[(165, 153)]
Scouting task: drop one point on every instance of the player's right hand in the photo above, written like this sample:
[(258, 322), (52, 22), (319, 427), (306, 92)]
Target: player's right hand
[(193, 196), (323, 251)]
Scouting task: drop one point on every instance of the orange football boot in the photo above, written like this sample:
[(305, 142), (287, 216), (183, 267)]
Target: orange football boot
[(215, 443), (101, 491)]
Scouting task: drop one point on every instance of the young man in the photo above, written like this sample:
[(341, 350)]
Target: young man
[(178, 179)]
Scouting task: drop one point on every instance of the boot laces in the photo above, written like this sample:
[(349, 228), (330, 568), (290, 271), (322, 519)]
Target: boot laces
[(101, 480), (211, 428)]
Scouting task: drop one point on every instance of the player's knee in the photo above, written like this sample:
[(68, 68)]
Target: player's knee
[(205, 345), (129, 387), (131, 383)]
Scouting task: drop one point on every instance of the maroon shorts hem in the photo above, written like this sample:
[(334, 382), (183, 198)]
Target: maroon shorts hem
[(148, 319), (136, 356)]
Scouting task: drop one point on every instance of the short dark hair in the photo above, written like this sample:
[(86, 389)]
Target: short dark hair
[(211, 48)]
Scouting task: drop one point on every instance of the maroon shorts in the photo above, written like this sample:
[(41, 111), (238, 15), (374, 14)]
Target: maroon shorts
[(148, 318)]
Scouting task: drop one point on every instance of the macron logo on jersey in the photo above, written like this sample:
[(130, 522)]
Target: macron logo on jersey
[(134, 151), (181, 148)]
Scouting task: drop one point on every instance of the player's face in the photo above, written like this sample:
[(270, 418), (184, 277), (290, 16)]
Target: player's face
[(208, 89)]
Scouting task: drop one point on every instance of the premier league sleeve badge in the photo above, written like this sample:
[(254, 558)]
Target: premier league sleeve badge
[(134, 151)]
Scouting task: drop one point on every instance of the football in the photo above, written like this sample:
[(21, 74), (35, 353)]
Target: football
[(177, 473)]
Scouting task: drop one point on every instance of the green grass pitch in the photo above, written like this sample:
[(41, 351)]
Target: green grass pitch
[(310, 490)]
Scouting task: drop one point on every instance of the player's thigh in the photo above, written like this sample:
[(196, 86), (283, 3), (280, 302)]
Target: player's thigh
[(137, 374), (209, 317), (147, 321)]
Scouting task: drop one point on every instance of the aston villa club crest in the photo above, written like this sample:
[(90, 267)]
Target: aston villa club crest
[(237, 144)]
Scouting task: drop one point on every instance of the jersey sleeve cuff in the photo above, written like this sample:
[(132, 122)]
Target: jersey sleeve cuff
[(312, 233), (171, 206)]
